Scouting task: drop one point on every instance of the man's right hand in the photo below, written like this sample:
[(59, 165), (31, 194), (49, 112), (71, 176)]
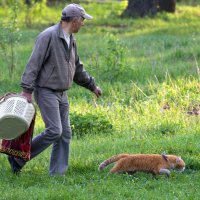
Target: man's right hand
[(27, 95)]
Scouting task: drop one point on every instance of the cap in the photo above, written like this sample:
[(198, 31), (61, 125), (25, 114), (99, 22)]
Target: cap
[(75, 10)]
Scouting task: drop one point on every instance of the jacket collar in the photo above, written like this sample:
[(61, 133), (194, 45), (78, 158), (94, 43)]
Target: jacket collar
[(61, 34)]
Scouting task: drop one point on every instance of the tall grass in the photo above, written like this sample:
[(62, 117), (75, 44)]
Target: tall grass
[(142, 65)]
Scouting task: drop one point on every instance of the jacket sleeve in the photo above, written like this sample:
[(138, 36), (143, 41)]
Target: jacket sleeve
[(39, 54), (81, 76)]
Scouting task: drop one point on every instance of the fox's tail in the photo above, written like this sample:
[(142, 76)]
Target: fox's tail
[(111, 160)]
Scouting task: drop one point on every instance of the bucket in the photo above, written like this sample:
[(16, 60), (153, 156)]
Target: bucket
[(16, 114)]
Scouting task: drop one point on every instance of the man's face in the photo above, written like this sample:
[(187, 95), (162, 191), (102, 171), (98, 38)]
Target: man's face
[(76, 24)]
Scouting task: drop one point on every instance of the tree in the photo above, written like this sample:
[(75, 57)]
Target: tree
[(9, 38), (144, 7)]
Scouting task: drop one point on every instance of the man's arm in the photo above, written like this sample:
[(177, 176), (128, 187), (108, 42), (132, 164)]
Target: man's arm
[(39, 54)]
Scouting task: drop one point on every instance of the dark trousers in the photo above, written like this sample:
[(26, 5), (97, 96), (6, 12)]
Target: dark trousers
[(54, 108)]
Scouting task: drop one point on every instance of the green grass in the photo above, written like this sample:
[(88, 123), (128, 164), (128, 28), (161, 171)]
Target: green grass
[(156, 61)]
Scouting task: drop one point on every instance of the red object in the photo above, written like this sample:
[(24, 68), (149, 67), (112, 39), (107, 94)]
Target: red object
[(21, 146)]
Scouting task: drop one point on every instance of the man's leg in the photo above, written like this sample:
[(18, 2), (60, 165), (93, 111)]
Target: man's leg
[(60, 148), (48, 102)]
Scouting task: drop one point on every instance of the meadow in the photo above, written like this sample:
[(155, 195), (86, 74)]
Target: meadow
[(148, 69)]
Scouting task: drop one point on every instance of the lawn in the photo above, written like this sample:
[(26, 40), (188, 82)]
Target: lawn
[(142, 65)]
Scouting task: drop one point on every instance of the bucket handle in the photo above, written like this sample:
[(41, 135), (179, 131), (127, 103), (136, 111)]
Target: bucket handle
[(5, 96)]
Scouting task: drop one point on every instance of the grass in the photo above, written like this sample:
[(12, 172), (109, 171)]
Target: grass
[(156, 62)]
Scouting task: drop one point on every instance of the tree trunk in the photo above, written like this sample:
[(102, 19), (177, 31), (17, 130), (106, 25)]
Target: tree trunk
[(167, 5), (148, 7)]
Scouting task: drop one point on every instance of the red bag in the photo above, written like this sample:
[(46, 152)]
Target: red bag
[(21, 146)]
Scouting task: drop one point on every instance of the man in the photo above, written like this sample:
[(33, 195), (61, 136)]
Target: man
[(53, 66)]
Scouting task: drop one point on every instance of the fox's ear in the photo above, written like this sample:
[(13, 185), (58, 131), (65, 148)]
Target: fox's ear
[(164, 156), (178, 159)]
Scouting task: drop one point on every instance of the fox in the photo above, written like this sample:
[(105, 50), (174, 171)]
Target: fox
[(156, 164)]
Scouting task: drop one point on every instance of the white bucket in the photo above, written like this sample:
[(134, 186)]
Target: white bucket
[(16, 115)]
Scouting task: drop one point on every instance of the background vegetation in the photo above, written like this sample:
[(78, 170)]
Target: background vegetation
[(148, 70)]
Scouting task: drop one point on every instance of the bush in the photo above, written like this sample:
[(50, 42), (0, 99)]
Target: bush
[(83, 124), (114, 63), (9, 38)]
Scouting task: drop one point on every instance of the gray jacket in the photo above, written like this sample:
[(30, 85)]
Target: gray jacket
[(52, 65)]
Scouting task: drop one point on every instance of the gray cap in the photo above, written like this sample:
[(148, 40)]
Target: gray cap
[(74, 10)]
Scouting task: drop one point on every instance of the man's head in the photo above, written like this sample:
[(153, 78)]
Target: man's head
[(73, 17), (74, 10)]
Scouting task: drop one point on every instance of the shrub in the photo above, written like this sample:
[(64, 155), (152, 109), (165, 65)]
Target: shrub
[(114, 59), (9, 38), (83, 124)]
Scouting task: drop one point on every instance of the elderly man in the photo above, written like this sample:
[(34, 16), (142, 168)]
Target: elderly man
[(53, 66)]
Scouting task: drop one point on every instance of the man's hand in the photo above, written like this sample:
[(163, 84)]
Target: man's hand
[(97, 92), (27, 95)]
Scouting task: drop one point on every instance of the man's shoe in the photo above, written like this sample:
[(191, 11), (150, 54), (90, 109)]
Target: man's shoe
[(15, 167)]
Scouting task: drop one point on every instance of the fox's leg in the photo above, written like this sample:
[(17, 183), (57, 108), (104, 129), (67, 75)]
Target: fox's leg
[(164, 171), (116, 169)]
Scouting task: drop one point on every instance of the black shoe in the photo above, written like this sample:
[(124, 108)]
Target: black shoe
[(15, 167)]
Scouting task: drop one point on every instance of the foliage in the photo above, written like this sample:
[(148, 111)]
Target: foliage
[(113, 57), (34, 9), (189, 2), (9, 38), (89, 124)]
